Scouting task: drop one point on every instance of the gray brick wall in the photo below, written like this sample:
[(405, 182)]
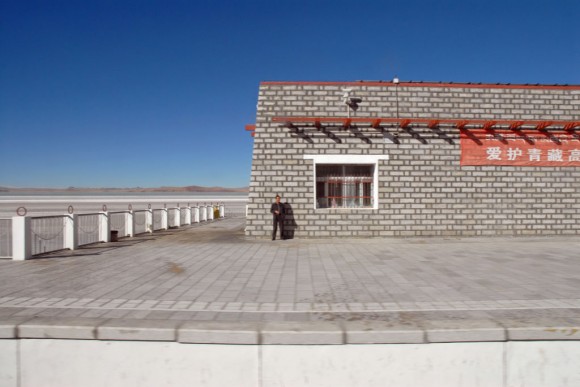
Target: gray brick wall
[(423, 191)]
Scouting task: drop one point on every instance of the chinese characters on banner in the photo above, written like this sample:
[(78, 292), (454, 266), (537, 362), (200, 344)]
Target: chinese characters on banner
[(524, 148)]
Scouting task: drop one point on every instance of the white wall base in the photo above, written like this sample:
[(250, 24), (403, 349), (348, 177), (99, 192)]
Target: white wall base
[(8, 363), (87, 363)]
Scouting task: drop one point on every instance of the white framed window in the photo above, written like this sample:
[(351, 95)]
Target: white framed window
[(346, 181)]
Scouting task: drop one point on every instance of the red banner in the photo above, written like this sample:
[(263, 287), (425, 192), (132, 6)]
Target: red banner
[(526, 148)]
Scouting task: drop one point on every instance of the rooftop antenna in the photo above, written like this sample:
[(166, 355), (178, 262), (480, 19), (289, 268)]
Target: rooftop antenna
[(396, 82)]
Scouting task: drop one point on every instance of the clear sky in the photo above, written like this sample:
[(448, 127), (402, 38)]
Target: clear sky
[(119, 93)]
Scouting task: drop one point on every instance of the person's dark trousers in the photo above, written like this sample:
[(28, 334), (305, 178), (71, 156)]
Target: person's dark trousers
[(278, 220)]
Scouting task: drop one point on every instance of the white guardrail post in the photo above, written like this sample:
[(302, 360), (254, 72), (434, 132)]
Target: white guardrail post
[(149, 220), (210, 212), (70, 231), (196, 214), (129, 223), (188, 214), (177, 212), (21, 238), (164, 225), (202, 213), (222, 211), (104, 227)]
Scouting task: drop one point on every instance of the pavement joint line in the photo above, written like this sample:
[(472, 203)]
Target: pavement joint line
[(166, 309)]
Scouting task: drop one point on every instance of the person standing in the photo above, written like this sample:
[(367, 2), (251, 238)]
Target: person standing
[(278, 211)]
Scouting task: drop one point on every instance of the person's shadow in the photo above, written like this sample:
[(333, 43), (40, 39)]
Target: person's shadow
[(289, 223)]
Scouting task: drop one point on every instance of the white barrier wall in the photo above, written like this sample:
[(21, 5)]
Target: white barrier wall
[(87, 363), (22, 237)]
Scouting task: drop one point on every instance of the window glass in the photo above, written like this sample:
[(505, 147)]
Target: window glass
[(344, 185)]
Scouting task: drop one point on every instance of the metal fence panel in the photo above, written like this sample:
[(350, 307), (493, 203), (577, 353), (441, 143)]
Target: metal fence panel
[(171, 219), (117, 220), (47, 234), (88, 228), (140, 219), (5, 238), (157, 219)]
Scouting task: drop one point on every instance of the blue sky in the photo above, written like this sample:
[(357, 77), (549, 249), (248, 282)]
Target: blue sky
[(156, 93)]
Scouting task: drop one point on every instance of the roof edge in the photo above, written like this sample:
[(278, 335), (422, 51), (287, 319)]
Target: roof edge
[(426, 84)]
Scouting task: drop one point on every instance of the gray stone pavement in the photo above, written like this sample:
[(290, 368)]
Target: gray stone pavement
[(209, 283)]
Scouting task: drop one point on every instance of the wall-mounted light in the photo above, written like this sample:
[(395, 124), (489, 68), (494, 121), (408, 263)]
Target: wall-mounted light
[(351, 102)]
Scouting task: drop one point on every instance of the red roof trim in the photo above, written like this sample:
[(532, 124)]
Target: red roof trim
[(427, 84)]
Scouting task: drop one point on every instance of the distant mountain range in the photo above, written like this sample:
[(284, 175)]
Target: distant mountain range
[(189, 188)]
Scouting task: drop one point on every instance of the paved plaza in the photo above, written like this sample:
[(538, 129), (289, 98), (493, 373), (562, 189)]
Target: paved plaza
[(523, 288)]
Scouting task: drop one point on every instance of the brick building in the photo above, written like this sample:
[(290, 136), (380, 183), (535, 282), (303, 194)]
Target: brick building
[(414, 159)]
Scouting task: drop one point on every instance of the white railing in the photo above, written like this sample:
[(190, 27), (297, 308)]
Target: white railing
[(22, 237)]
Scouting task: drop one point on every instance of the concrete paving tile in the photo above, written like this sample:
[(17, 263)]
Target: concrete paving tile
[(218, 333), (268, 306), (233, 306), (137, 314), (10, 311), (448, 327), (60, 328), (138, 330), (216, 306), (8, 326), (550, 331), (93, 313), (382, 332), (292, 333), (205, 316)]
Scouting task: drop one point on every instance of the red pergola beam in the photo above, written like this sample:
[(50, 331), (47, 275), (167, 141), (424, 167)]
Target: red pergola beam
[(404, 122), (433, 124), (543, 125), (251, 127), (516, 125), (488, 125)]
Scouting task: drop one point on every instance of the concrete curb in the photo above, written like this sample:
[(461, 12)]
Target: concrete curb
[(281, 333)]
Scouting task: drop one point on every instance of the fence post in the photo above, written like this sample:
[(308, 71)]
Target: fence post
[(164, 225), (149, 221), (177, 212), (202, 213), (21, 238), (188, 215), (104, 227), (129, 223), (210, 212), (222, 211), (71, 231), (196, 214)]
